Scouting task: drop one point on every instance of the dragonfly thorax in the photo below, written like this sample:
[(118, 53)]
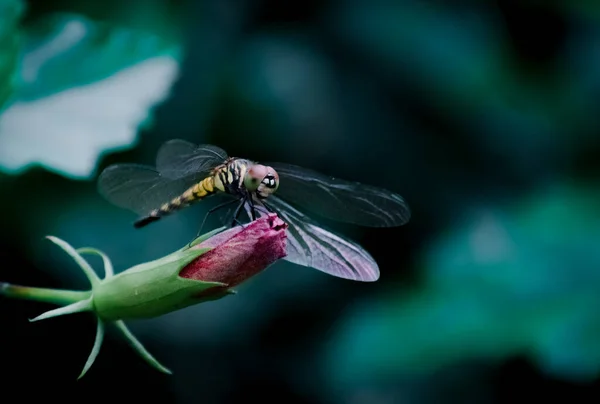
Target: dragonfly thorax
[(239, 176)]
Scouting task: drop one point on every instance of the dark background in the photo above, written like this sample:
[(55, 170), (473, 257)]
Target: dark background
[(482, 114)]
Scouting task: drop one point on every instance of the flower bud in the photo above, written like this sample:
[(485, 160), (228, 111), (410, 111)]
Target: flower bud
[(205, 270), (237, 254)]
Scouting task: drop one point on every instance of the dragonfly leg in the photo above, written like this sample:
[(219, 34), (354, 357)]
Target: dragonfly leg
[(257, 207), (267, 207), (237, 213), (261, 208), (252, 208), (212, 210)]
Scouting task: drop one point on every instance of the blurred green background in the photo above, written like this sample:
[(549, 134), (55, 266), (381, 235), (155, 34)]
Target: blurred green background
[(482, 114)]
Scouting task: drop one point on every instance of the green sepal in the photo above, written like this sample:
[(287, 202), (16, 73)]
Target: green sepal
[(202, 238), (83, 264), (77, 307), (108, 267), (139, 348), (143, 291), (95, 349), (153, 289)]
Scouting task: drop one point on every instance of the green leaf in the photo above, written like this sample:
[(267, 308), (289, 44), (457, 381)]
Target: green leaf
[(504, 282), (11, 12), (97, 49), (83, 88)]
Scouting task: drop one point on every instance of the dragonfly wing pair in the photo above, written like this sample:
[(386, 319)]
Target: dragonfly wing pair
[(340, 200), (310, 243), (180, 164), (178, 158), (142, 188)]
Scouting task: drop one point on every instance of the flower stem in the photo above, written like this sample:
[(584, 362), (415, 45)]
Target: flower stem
[(60, 297)]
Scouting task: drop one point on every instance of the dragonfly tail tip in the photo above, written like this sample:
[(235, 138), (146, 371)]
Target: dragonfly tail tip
[(145, 221)]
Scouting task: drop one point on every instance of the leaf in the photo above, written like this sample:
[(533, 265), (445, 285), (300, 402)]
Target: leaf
[(83, 88), (512, 281), (11, 12)]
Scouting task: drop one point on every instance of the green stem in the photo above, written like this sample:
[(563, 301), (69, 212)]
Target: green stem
[(60, 297)]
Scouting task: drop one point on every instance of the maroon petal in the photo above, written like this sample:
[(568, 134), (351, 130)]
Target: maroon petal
[(240, 253)]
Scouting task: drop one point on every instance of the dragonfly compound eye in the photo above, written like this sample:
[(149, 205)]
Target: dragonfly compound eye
[(255, 176), (271, 180)]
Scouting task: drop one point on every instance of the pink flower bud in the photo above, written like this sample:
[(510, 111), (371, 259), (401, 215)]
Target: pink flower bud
[(206, 271), (240, 252)]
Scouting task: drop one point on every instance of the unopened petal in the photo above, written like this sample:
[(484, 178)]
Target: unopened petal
[(240, 253)]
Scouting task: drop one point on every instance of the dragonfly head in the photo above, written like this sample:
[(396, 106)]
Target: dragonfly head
[(261, 179)]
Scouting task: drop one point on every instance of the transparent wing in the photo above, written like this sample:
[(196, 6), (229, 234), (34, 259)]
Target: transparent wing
[(141, 188), (340, 200), (310, 245), (179, 158)]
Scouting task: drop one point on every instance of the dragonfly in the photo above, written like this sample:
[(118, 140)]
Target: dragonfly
[(186, 173)]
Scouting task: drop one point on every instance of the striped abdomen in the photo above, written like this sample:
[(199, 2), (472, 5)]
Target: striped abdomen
[(195, 193)]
